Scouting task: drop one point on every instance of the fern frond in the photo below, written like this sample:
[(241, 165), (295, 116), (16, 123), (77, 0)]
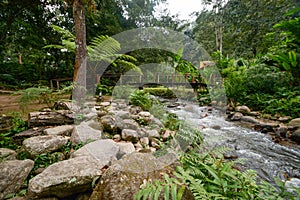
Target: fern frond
[(153, 190), (65, 33)]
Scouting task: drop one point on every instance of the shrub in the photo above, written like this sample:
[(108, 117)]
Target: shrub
[(160, 92), (19, 125), (208, 176), (142, 99), (122, 92)]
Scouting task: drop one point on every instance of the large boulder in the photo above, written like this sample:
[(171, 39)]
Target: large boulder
[(124, 178), (64, 130), (43, 144), (65, 178), (84, 133), (13, 173), (104, 151)]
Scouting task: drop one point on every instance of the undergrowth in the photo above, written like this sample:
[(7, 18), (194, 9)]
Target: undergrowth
[(209, 176)]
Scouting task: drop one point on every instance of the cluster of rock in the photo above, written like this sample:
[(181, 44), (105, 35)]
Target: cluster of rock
[(280, 128), (115, 160)]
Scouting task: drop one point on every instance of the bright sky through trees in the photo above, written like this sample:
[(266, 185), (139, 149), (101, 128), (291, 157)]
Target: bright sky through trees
[(184, 7)]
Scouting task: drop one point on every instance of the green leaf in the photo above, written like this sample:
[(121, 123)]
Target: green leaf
[(174, 192), (180, 192), (286, 66), (157, 191), (166, 192)]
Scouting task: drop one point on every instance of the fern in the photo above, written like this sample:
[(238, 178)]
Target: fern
[(102, 48), (170, 187), (38, 94)]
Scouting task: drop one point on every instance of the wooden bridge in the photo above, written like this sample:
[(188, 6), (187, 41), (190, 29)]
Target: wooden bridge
[(141, 81), (153, 80)]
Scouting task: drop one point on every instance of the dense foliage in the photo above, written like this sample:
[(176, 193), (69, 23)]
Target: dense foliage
[(207, 175), (255, 45)]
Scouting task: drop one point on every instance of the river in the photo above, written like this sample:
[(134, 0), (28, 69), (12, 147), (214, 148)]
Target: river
[(269, 159)]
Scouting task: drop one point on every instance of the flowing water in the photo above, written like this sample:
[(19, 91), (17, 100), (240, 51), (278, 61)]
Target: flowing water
[(269, 159)]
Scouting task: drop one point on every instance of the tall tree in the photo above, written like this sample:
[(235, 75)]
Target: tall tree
[(218, 6), (239, 25), (80, 37), (140, 13)]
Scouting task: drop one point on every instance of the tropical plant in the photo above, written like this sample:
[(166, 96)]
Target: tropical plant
[(208, 176), (102, 49), (142, 99), (18, 125)]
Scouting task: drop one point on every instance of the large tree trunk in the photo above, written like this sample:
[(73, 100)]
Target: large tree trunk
[(79, 77)]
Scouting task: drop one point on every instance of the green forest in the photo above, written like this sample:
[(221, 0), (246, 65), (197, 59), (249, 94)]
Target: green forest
[(254, 45)]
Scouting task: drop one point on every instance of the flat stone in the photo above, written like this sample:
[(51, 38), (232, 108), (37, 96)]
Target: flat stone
[(104, 104), (284, 119), (36, 131), (145, 116), (104, 151), (83, 133), (156, 123), (13, 173), (44, 144), (64, 130), (249, 119)]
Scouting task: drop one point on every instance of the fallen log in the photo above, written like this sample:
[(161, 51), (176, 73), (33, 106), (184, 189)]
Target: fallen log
[(50, 118)]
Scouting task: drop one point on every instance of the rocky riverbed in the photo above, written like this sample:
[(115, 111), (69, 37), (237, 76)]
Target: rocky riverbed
[(120, 140)]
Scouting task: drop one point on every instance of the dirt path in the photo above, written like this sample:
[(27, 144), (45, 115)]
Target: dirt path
[(9, 103)]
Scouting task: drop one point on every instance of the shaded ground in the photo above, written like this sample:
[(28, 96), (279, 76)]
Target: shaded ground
[(9, 103)]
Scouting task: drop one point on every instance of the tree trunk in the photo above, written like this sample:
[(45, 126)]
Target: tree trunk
[(218, 9), (79, 77)]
